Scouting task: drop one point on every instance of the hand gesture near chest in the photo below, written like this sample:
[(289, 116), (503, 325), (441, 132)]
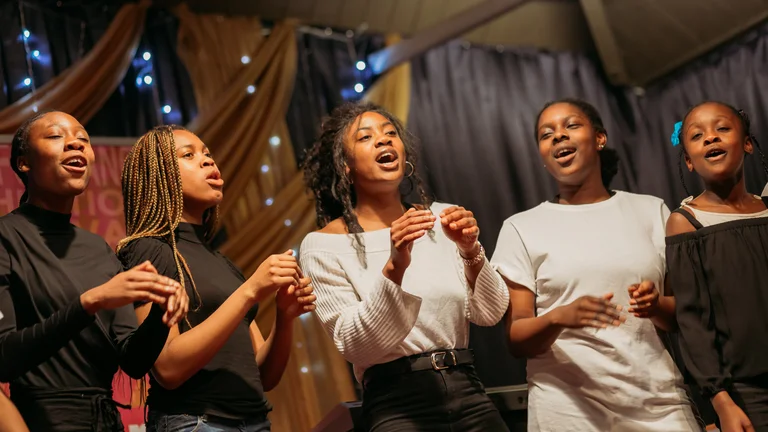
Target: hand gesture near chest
[(460, 226), (588, 311), (411, 226)]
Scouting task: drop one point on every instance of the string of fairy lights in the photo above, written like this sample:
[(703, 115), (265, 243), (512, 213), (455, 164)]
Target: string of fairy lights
[(35, 50)]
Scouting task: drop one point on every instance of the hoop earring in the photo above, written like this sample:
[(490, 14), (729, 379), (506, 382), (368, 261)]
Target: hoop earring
[(413, 168)]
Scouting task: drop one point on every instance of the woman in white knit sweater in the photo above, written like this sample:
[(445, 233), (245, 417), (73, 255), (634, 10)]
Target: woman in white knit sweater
[(396, 288)]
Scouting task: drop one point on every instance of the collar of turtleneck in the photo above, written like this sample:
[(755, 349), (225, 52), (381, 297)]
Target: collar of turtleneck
[(44, 219)]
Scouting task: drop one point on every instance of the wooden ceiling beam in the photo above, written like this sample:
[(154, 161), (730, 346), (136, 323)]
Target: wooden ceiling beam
[(451, 28), (602, 34)]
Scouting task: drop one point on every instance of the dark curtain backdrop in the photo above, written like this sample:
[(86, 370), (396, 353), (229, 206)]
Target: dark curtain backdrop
[(63, 31), (474, 110), (736, 74), (325, 78)]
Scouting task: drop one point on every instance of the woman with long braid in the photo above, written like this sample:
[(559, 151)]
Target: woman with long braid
[(61, 339), (396, 291), (216, 366)]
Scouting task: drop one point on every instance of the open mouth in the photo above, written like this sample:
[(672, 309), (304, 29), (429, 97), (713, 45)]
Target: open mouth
[(564, 153), (75, 163), (714, 153), (387, 158), (214, 179)]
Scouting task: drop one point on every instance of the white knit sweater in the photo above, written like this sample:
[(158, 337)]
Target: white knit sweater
[(372, 320)]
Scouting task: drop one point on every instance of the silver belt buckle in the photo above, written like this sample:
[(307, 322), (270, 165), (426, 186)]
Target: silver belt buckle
[(433, 359)]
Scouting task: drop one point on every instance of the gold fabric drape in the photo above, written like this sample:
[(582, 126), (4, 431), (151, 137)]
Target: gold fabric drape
[(249, 140), (86, 85)]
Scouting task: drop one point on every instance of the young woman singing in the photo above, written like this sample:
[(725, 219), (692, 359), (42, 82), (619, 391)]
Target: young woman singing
[(67, 321), (398, 283)]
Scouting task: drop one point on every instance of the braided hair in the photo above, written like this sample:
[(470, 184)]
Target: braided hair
[(609, 158), (745, 127), (325, 168), (153, 198), (20, 147)]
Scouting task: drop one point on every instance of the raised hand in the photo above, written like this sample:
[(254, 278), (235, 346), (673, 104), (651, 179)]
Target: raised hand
[(293, 301), (644, 299), (587, 311), (141, 283), (277, 271), (460, 225), (411, 226)]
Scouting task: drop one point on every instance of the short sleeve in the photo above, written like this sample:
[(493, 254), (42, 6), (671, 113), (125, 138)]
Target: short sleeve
[(511, 258), (156, 251), (659, 232)]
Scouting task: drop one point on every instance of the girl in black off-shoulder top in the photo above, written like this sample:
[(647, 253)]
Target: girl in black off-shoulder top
[(717, 254), (61, 339)]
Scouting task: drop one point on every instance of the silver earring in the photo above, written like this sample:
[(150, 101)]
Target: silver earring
[(413, 168)]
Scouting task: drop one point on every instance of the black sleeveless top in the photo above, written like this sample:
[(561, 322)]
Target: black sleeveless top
[(719, 276)]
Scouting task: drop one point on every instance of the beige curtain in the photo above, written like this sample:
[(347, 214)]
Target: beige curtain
[(266, 208), (86, 85)]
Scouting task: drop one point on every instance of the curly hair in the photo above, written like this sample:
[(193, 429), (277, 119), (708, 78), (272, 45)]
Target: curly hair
[(609, 158), (325, 168)]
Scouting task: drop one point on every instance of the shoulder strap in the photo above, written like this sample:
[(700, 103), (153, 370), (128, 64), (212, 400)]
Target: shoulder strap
[(686, 214)]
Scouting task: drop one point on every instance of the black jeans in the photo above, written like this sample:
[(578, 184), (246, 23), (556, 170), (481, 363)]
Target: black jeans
[(754, 401), (449, 400), (159, 422)]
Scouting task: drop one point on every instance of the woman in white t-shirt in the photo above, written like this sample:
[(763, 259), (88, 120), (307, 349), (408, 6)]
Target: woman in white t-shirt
[(574, 266)]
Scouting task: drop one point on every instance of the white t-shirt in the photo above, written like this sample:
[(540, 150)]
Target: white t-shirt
[(614, 379)]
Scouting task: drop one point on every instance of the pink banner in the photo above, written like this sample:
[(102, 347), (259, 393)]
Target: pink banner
[(99, 210)]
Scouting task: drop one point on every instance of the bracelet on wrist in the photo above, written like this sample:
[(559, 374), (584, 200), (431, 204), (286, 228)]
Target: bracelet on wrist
[(472, 261)]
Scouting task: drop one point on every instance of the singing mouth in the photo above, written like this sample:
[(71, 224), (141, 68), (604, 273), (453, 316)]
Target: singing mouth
[(387, 157), (714, 153), (564, 152), (214, 179), (75, 162)]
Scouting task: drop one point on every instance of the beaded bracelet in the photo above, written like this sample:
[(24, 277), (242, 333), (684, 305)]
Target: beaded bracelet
[(475, 259)]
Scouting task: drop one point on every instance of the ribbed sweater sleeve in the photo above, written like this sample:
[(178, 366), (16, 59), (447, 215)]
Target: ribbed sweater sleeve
[(489, 300), (363, 329)]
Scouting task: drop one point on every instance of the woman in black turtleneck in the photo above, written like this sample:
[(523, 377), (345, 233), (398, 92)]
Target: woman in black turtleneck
[(216, 366), (67, 322)]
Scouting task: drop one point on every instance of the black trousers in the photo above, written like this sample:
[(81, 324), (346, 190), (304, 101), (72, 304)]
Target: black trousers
[(753, 400), (450, 400)]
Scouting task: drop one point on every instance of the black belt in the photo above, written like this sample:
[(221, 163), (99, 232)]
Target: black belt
[(436, 360)]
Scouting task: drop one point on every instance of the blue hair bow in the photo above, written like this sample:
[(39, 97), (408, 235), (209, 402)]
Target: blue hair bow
[(675, 138)]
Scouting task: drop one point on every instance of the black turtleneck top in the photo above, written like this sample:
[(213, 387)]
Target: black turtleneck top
[(59, 359), (229, 385)]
